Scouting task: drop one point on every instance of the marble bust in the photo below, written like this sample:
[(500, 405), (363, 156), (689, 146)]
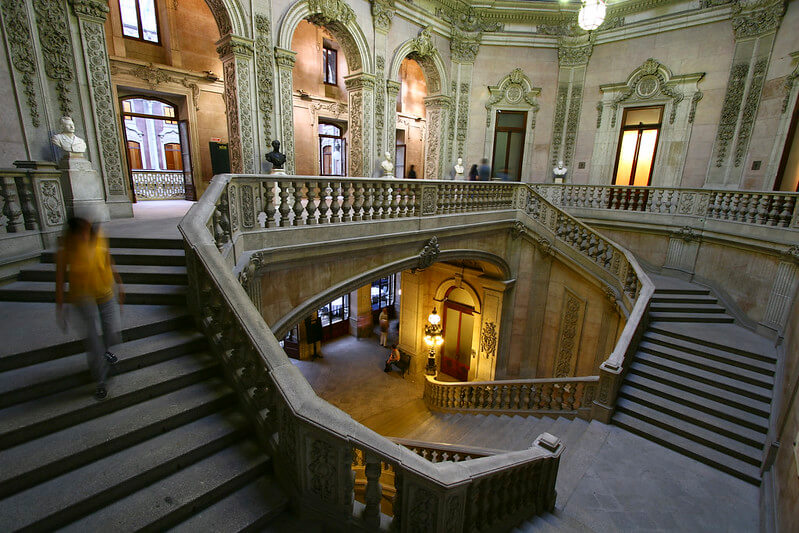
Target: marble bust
[(387, 165), (458, 168), (70, 143), (275, 157), (559, 172)]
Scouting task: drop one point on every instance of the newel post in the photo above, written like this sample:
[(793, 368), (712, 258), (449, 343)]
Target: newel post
[(605, 401)]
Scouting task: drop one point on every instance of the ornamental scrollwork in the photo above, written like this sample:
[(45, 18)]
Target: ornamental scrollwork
[(569, 341), (730, 110), (322, 467), (96, 9), (488, 340), (429, 253), (764, 18), (687, 234), (649, 80), (50, 191), (463, 47), (327, 11), (382, 14), (422, 45), (20, 44), (694, 101), (264, 72), (750, 109), (53, 28)]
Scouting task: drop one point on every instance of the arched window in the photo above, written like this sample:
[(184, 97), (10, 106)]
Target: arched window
[(332, 150)]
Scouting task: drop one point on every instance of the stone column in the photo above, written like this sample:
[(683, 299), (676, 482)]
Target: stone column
[(463, 51), (413, 317), (360, 90), (364, 312), (438, 108), (264, 86), (100, 112), (755, 25), (573, 55), (382, 14), (285, 60), (392, 90), (236, 54)]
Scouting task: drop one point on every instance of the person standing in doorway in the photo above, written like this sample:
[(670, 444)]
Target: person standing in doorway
[(412, 173), (84, 260), (473, 173), (484, 171), (384, 327)]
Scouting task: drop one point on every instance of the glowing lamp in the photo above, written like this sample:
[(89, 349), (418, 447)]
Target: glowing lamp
[(592, 14)]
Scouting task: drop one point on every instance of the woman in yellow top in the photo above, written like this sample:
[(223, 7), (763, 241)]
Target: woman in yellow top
[(84, 260)]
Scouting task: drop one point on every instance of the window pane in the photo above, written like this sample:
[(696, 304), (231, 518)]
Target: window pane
[(329, 129), (507, 119), (646, 154), (130, 22), (626, 156), (148, 20), (465, 340), (500, 151), (515, 155), (646, 115), (452, 321)]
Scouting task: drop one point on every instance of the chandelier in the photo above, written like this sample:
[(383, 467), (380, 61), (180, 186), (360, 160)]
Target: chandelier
[(592, 14)]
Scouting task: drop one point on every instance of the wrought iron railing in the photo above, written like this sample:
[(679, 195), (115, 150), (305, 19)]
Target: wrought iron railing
[(159, 184)]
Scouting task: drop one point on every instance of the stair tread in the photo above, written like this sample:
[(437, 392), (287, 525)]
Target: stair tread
[(691, 317), (573, 433), (706, 363), (680, 298), (761, 389), (752, 363), (253, 503), (131, 269), (130, 288), (684, 307), (117, 470), (688, 447), (180, 491), (99, 433), (698, 387), (663, 282), (50, 409), (695, 416), (727, 337), (581, 455), (56, 371), (693, 431)]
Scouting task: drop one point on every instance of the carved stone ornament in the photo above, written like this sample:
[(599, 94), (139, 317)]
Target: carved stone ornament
[(464, 47), (516, 91), (382, 14), (518, 230), (264, 72), (545, 246), (467, 19), (488, 340), (652, 79), (326, 11), (569, 338), (322, 470), (789, 82), (51, 21), (574, 51), (792, 252), (749, 113), (50, 192), (97, 9), (429, 253), (752, 18), (422, 46), (687, 234), (235, 46), (694, 101), (730, 110), (20, 43)]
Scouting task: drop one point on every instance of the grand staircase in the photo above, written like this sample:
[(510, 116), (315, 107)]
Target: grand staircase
[(168, 448), (700, 384)]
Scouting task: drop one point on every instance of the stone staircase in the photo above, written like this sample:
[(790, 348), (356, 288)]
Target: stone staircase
[(168, 448), (700, 384)]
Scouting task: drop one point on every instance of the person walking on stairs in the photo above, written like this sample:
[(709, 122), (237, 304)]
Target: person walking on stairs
[(84, 260)]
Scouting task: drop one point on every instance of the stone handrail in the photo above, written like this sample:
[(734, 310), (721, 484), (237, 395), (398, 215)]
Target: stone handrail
[(756, 208), (312, 442), (441, 451), (31, 201), (549, 396)]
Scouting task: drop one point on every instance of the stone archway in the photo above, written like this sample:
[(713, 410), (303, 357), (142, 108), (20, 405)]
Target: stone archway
[(422, 50), (339, 19)]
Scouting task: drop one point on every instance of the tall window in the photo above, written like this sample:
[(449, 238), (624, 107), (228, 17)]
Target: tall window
[(509, 145), (152, 135), (134, 155), (172, 156), (336, 311), (139, 19), (332, 150), (637, 146), (329, 70), (383, 292)]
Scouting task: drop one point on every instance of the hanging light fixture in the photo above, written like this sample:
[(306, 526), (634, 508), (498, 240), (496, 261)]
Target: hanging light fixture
[(592, 14), (433, 339)]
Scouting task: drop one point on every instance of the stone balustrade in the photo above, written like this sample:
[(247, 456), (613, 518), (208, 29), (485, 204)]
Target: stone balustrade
[(312, 442), (159, 184), (562, 396)]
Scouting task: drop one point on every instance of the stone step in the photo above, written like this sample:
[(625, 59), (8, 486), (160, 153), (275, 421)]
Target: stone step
[(51, 455), (29, 420), (700, 307), (552, 523), (249, 508), (145, 242), (135, 256), (695, 450), (174, 499), (710, 391), (747, 435), (150, 274), (49, 377), (710, 318), (63, 499), (159, 319), (578, 457), (684, 298), (729, 369), (135, 293), (573, 433), (671, 285), (758, 389), (750, 454), (743, 361), (733, 341)]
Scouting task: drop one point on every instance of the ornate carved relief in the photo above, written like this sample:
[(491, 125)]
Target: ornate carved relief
[(561, 104), (764, 18), (264, 73), (694, 101), (53, 27), (750, 109), (599, 107), (730, 110), (231, 83), (285, 62), (50, 192), (103, 104), (96, 9), (247, 207), (20, 44), (488, 340), (221, 16), (436, 107), (380, 104), (245, 116), (322, 470), (789, 82), (569, 338), (575, 104), (326, 11), (422, 45), (422, 511), (650, 80), (572, 53), (155, 76), (463, 117), (360, 90), (382, 14), (467, 19), (464, 47), (430, 252)]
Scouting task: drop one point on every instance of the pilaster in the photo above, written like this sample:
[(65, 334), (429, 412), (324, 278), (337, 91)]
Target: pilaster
[(438, 108), (360, 90), (392, 90), (236, 54), (264, 84), (382, 15), (285, 60)]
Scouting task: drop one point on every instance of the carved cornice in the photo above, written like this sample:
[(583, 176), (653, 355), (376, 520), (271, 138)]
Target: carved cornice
[(96, 9), (285, 58), (155, 76), (327, 11), (237, 46), (422, 45), (752, 18), (359, 81), (382, 13), (467, 19), (464, 47), (438, 102), (574, 51)]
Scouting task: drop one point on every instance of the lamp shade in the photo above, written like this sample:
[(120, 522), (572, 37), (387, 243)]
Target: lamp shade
[(592, 14), (434, 317)]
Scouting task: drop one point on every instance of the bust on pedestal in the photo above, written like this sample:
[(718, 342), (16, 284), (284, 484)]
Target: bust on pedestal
[(276, 159), (559, 172), (387, 166), (457, 170), (82, 185)]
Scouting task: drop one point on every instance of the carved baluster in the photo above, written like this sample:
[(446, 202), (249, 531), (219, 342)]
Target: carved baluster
[(219, 234), (374, 491), (377, 202), (402, 199), (394, 199), (269, 195), (285, 206), (358, 204), (515, 398), (368, 200), (324, 215), (310, 206), (389, 193), (29, 214), (11, 209), (762, 209), (298, 208), (734, 213), (751, 212), (614, 198), (775, 203), (641, 199), (787, 211), (743, 207)]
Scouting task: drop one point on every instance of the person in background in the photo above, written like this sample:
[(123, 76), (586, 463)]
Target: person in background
[(384, 327), (83, 259), (473, 173), (484, 171), (393, 357), (412, 173)]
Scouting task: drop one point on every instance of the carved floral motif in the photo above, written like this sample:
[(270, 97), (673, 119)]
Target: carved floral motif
[(730, 110), (382, 14), (326, 11), (429, 253), (264, 73), (50, 193), (750, 109), (567, 347), (488, 340), (51, 21), (20, 44), (322, 470)]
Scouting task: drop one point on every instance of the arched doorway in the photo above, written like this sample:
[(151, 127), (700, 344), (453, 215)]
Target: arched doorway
[(411, 128), (458, 330)]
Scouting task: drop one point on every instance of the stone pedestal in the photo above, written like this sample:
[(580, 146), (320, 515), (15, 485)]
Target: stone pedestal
[(83, 189)]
